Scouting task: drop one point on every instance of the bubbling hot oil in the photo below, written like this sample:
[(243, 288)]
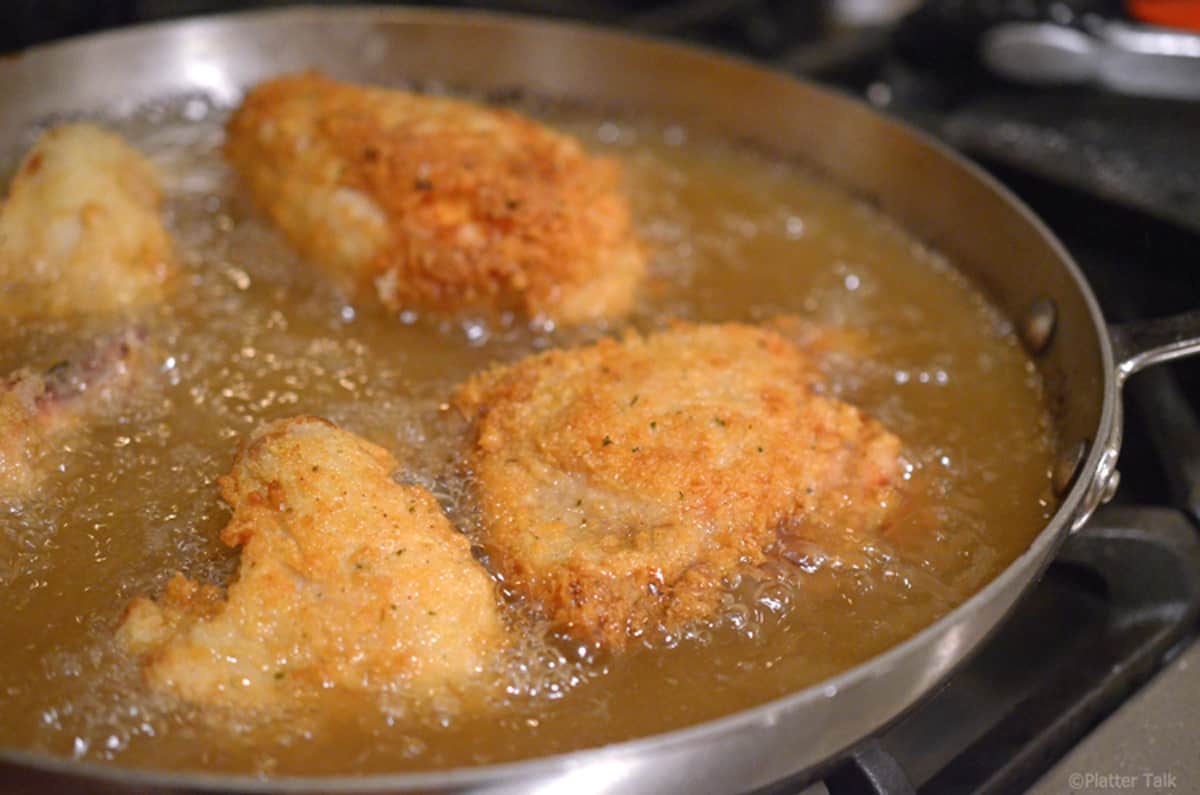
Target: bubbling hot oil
[(253, 334)]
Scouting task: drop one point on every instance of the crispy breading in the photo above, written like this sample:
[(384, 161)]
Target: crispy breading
[(80, 232), (347, 579), (432, 203), (38, 409), (620, 483)]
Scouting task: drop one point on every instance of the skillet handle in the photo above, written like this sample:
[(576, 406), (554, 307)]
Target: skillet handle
[(1136, 345), (1142, 343)]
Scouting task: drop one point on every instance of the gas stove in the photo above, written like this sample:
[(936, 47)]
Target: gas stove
[(1094, 682)]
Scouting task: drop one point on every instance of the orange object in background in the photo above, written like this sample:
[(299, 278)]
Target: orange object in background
[(1168, 13)]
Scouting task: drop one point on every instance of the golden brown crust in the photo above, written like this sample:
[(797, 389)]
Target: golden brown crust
[(435, 203), (346, 580), (80, 232), (22, 434), (620, 483)]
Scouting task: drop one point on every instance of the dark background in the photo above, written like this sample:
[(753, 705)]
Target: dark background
[(752, 25)]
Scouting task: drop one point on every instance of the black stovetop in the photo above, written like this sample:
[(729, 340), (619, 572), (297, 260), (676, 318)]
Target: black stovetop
[(1118, 179)]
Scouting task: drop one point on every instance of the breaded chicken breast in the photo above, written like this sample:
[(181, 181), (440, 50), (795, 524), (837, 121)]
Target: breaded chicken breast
[(40, 409), (80, 232), (431, 203), (346, 580), (618, 484)]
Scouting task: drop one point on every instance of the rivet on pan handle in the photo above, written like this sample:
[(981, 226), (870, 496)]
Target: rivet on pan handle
[(1136, 345)]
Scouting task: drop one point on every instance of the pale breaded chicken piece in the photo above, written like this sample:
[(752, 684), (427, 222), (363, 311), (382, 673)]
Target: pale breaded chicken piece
[(40, 409), (346, 580), (618, 484), (432, 203), (80, 232)]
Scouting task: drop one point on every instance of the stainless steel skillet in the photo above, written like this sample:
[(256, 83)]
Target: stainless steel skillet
[(938, 195)]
